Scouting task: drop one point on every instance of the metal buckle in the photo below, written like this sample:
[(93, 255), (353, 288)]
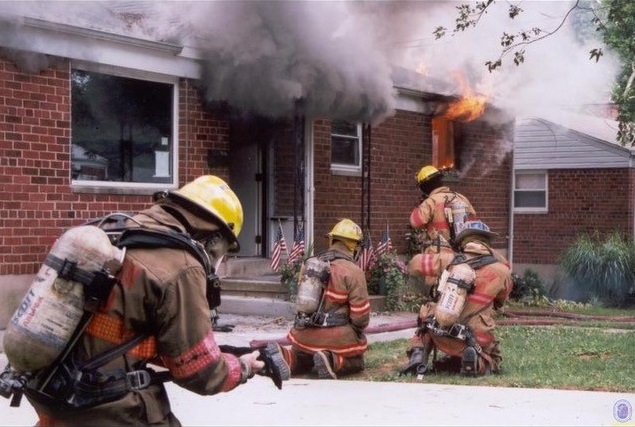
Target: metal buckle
[(457, 331), (138, 380)]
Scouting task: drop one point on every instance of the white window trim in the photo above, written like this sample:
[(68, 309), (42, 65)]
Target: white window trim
[(345, 169), (544, 209), (132, 187)]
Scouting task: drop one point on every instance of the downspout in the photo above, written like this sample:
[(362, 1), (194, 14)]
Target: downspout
[(309, 189), (510, 233), (366, 210)]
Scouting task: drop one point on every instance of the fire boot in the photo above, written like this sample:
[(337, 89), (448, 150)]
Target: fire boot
[(418, 364), (323, 361), (469, 362)]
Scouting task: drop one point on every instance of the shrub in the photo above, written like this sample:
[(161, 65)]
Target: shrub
[(528, 288), (388, 277), (603, 268)]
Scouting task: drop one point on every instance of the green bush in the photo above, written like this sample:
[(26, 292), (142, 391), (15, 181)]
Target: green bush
[(388, 277), (602, 267), (528, 288)]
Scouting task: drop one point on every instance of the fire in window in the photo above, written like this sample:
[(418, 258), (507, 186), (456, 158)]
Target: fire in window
[(446, 126)]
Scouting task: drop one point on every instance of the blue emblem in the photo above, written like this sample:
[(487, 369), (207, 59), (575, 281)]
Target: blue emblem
[(622, 411)]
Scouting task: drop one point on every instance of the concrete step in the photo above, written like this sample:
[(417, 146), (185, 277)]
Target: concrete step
[(245, 266), (263, 286), (250, 287)]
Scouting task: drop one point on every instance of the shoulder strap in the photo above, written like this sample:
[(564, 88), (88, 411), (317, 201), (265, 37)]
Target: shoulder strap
[(481, 261), (135, 237), (333, 255)]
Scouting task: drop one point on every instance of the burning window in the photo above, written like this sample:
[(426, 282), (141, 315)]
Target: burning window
[(443, 143), (122, 129), (446, 125), (346, 146)]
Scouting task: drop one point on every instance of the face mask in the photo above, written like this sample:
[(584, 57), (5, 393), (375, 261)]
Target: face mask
[(216, 246)]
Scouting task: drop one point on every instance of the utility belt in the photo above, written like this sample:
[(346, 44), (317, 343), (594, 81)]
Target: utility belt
[(75, 389), (320, 320), (456, 330)]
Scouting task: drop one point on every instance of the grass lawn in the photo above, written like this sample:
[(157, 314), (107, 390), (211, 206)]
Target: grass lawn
[(590, 355)]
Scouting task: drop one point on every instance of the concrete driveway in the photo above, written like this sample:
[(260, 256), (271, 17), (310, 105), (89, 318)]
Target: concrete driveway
[(313, 402)]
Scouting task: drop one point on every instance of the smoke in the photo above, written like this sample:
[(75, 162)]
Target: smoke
[(556, 73), (341, 58)]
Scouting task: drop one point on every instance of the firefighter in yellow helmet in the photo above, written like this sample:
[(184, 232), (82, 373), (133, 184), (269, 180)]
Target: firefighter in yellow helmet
[(330, 339), (441, 211), (164, 292), (439, 217)]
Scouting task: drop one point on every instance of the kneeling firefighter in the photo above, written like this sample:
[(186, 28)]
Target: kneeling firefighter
[(333, 309), (473, 283), (155, 310)]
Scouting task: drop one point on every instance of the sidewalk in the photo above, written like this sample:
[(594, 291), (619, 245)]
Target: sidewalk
[(314, 402)]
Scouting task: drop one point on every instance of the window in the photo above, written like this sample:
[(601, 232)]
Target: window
[(530, 191), (123, 131), (443, 140), (346, 146)]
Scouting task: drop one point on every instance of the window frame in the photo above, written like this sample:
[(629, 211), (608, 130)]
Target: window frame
[(345, 168), (120, 187), (536, 209)]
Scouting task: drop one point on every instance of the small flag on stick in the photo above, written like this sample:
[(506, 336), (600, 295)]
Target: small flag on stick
[(297, 250), (279, 246), (367, 257), (385, 244)]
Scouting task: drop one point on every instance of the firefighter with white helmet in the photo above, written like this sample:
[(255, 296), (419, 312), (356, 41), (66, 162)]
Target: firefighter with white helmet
[(162, 296), (475, 282), (331, 339)]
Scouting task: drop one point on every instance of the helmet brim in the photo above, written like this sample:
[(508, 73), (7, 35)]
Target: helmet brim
[(203, 212), (475, 232)]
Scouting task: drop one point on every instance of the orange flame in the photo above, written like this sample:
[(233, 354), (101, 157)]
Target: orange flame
[(470, 106)]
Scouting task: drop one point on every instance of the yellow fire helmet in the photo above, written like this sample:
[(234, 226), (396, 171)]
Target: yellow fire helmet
[(349, 232), (214, 195), (425, 173)]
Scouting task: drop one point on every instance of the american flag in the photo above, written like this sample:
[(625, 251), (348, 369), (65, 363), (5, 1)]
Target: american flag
[(297, 250), (367, 257), (385, 244), (279, 246)]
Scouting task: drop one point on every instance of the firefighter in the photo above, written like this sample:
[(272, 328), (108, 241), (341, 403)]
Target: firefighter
[(440, 215), (161, 291), (331, 339), (476, 281), (441, 211)]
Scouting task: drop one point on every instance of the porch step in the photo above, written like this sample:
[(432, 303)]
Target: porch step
[(259, 286), (249, 286)]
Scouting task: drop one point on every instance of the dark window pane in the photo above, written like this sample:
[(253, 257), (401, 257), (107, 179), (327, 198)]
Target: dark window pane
[(344, 128), (530, 199), (344, 151), (121, 129)]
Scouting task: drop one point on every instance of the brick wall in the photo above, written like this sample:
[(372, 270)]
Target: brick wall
[(36, 201), (395, 159), (580, 201)]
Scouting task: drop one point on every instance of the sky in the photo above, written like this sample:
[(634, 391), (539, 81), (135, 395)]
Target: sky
[(338, 57)]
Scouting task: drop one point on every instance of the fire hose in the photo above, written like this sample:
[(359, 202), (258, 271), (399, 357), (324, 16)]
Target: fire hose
[(520, 318)]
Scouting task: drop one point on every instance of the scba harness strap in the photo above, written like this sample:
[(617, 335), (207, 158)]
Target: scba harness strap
[(320, 318)]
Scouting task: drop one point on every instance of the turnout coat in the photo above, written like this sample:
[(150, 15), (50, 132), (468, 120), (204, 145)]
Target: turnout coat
[(161, 292)]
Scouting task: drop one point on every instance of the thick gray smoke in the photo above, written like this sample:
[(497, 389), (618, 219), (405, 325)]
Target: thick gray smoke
[(338, 58)]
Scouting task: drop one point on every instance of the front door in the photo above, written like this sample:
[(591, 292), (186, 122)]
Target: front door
[(246, 160)]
